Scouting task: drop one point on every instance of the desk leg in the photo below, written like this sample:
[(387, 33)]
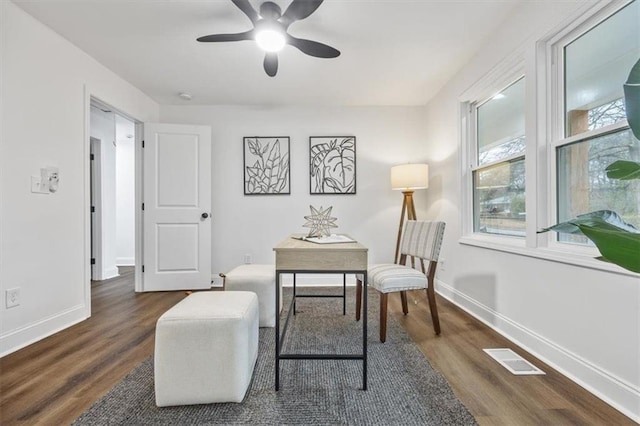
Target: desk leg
[(344, 294), (277, 330), (294, 294), (364, 331)]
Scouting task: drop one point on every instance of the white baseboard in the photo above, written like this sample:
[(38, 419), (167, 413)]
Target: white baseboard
[(617, 392), (125, 261), (111, 273), (31, 333)]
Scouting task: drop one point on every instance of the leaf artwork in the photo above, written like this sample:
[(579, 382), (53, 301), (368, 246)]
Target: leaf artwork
[(332, 165), (268, 169)]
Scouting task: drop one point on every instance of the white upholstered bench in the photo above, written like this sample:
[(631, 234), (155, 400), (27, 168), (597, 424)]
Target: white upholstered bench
[(260, 279), (206, 348)]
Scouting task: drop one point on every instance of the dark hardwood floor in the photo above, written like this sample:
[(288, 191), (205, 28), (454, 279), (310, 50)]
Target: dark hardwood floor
[(53, 381)]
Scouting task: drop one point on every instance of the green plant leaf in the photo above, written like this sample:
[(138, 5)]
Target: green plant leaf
[(602, 219), (616, 246), (632, 99), (623, 170)]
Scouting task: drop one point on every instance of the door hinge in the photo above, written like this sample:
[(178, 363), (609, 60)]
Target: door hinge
[(142, 206), (143, 143), (93, 209), (93, 260), (92, 157), (142, 268)]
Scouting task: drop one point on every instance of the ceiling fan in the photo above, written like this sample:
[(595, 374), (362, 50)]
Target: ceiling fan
[(270, 31)]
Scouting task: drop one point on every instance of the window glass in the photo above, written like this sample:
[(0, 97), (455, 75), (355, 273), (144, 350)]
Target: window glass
[(499, 198), (500, 125), (596, 66), (583, 185)]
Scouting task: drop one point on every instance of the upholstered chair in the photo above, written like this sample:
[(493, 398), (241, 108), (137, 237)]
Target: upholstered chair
[(421, 240)]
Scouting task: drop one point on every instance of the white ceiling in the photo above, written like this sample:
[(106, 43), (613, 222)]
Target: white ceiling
[(394, 52)]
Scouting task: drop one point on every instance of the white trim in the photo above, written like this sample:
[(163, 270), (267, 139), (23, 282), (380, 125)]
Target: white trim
[(24, 336), (467, 160), (591, 134), (550, 55), (532, 181), (110, 273), (125, 261), (613, 390), (509, 159), (138, 279), (508, 72), (510, 69), (86, 203), (515, 245)]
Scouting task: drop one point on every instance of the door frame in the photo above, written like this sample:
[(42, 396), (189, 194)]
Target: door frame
[(95, 200), (89, 97)]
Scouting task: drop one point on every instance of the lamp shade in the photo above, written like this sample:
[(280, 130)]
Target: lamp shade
[(409, 176)]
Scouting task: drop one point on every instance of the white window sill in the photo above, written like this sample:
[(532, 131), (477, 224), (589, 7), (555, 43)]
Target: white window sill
[(517, 246)]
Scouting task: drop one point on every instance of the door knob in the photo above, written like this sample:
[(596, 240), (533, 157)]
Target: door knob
[(205, 215)]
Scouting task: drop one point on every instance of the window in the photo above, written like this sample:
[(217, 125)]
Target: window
[(498, 174), (594, 130), (536, 149)]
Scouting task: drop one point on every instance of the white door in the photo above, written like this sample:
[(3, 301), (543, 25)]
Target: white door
[(176, 249)]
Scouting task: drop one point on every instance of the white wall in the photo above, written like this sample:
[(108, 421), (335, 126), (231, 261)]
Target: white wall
[(254, 224), (44, 120), (583, 321), (125, 193)]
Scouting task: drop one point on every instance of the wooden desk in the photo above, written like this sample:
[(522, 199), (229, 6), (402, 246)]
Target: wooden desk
[(295, 256)]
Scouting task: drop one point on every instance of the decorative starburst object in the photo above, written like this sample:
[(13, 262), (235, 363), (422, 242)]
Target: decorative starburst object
[(320, 222)]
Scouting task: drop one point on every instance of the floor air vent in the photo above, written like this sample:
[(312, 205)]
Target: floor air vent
[(513, 362)]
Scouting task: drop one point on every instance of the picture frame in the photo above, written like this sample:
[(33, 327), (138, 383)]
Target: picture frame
[(266, 165), (332, 165)]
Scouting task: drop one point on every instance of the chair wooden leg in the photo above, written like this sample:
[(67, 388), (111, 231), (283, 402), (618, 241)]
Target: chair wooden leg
[(431, 295), (403, 297), (358, 299), (383, 317)]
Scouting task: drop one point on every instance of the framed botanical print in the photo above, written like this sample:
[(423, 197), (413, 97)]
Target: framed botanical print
[(266, 165), (332, 164)]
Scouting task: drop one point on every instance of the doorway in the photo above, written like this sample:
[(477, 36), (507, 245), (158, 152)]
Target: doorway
[(112, 191)]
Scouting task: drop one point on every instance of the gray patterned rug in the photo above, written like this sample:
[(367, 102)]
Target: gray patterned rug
[(403, 388)]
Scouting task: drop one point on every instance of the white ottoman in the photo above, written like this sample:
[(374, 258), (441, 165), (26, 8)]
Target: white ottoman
[(206, 348), (260, 279)]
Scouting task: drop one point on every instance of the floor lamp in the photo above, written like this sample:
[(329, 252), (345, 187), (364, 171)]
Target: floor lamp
[(407, 178)]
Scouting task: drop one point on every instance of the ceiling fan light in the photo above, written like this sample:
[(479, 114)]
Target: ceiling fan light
[(270, 40)]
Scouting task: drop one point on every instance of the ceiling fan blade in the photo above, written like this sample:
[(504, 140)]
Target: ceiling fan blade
[(313, 48), (248, 10), (298, 10), (271, 63), (247, 35)]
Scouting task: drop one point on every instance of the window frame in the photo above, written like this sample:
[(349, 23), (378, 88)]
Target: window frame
[(556, 117), (537, 60), (499, 79)]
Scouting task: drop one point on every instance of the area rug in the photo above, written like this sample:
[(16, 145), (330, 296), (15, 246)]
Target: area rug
[(403, 388)]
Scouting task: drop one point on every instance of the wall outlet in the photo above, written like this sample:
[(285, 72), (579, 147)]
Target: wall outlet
[(442, 265), (12, 297), (37, 187), (247, 259)]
